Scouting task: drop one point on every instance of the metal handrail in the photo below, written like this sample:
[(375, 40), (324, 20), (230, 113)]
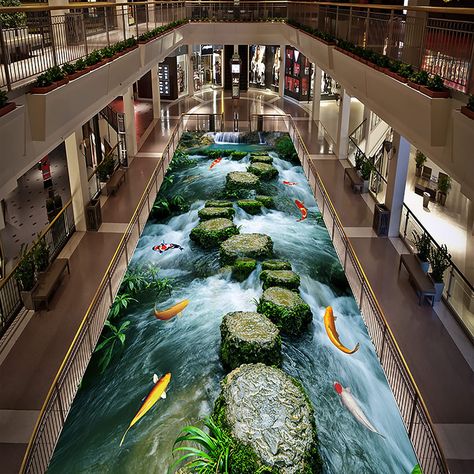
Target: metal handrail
[(92, 321), (389, 339)]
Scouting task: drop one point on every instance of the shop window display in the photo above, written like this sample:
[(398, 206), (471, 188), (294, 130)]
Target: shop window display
[(207, 66), (298, 72), (264, 66)]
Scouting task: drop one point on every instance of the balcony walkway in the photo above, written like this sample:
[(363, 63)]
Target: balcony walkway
[(428, 337)]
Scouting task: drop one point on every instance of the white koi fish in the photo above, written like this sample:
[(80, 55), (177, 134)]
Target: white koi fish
[(351, 404)]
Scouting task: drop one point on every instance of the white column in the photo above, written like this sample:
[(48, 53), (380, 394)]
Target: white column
[(77, 171), (396, 182), (281, 78), (130, 127), (366, 129), (155, 92), (343, 125), (318, 74), (190, 71)]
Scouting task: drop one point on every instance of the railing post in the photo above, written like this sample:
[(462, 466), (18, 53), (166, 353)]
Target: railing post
[(106, 21), (361, 294), (349, 30), (345, 256), (123, 22), (6, 59), (367, 22), (450, 283), (110, 288), (406, 224), (85, 33), (61, 410), (383, 344), (412, 415), (53, 40)]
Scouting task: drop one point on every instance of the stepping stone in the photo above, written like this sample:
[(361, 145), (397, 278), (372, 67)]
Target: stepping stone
[(238, 155), (276, 265), (211, 233), (251, 206), (218, 203), (270, 415), (283, 278), (267, 201), (261, 159), (243, 267), (239, 183), (263, 170), (246, 245), (248, 338), (207, 213), (286, 309)]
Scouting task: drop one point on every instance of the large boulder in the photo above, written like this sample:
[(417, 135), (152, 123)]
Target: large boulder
[(267, 201), (275, 264), (252, 206), (282, 278), (240, 183), (243, 267), (207, 213), (269, 415), (261, 159), (248, 338), (246, 245), (264, 171), (211, 233), (218, 203), (286, 309)]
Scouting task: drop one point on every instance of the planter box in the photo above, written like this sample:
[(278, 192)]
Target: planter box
[(439, 287), (396, 76), (46, 89), (123, 70), (8, 107), (414, 85), (435, 94), (77, 74), (467, 112)]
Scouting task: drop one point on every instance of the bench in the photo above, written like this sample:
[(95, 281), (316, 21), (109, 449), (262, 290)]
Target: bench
[(49, 281), (115, 181), (357, 182), (420, 280)]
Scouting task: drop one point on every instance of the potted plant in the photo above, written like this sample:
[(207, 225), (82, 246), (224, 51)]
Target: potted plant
[(5, 106), (440, 260), (52, 78), (444, 185), (468, 110), (41, 255), (435, 88), (25, 276), (105, 169), (418, 79), (420, 160), (423, 248), (365, 171)]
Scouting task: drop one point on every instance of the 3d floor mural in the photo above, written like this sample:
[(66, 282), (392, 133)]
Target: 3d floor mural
[(235, 318)]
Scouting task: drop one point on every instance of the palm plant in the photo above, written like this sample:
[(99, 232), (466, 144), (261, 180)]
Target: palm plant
[(117, 334), (121, 301), (423, 245)]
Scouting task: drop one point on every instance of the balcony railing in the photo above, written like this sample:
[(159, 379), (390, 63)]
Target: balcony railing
[(407, 395), (438, 40)]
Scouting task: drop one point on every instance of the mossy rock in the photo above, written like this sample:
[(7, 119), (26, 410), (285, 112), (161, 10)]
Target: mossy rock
[(248, 338), (243, 267), (211, 233), (217, 203), (238, 180), (263, 170), (259, 153), (207, 213), (267, 201), (246, 245), (282, 278), (276, 265), (261, 159), (286, 309), (270, 417), (238, 155), (252, 206)]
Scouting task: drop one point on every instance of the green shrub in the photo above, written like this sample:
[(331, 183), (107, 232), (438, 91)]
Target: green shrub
[(286, 150), (3, 98), (25, 271)]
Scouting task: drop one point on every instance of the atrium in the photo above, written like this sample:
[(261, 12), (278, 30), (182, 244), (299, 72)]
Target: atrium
[(237, 237)]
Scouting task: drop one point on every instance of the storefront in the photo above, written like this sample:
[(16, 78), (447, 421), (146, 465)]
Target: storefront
[(264, 70), (298, 74), (207, 66)]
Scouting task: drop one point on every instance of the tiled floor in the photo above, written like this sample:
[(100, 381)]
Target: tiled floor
[(440, 368)]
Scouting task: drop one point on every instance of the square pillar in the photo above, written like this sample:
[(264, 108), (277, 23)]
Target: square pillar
[(316, 106), (343, 125), (190, 70), (281, 77), (396, 182), (78, 182), (130, 126), (155, 92)]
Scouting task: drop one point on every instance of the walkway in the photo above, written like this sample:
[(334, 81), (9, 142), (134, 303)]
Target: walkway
[(443, 371)]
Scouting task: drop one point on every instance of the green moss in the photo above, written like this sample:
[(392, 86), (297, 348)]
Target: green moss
[(276, 265), (243, 267), (263, 170), (252, 206), (246, 245), (238, 155), (217, 203), (286, 150), (267, 201), (261, 159), (286, 309), (282, 278), (239, 183), (207, 213), (211, 233), (249, 338)]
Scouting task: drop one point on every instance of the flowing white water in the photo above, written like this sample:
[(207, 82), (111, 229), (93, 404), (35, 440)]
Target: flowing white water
[(188, 346)]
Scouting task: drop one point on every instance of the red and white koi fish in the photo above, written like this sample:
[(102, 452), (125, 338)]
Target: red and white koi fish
[(215, 162), (303, 210), (157, 392), (164, 247), (352, 405), (289, 183)]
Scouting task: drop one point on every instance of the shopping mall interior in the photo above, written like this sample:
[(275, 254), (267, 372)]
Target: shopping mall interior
[(237, 237)]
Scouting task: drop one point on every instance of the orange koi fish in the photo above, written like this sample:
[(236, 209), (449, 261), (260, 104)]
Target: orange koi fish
[(157, 392), (215, 162), (289, 183), (303, 210), (169, 313), (329, 319)]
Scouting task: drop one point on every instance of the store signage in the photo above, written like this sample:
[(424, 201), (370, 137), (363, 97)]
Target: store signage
[(164, 75), (207, 49)]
